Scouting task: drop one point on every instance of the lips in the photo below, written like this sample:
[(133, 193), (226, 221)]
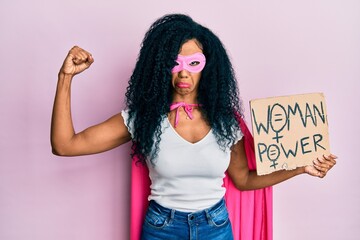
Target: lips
[(182, 85)]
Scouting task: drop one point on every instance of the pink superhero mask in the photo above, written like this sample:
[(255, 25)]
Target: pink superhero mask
[(194, 63)]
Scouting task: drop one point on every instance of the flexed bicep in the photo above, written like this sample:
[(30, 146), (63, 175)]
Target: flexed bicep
[(95, 139)]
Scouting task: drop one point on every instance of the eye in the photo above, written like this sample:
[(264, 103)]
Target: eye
[(194, 63), (177, 63)]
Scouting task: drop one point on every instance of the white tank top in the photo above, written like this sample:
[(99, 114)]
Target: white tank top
[(187, 176)]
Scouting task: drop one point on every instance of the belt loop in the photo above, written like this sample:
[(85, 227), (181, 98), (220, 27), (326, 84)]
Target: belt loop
[(172, 215), (208, 217)]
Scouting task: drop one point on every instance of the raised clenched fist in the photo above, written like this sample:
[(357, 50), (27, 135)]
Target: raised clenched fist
[(76, 61)]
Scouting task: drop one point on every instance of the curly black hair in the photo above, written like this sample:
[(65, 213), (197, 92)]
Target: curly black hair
[(149, 93)]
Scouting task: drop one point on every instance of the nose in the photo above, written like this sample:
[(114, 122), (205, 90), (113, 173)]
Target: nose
[(183, 73)]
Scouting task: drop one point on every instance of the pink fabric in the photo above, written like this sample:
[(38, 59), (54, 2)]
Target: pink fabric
[(250, 212), (194, 63), (187, 107)]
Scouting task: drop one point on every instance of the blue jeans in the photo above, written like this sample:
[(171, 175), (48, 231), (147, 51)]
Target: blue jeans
[(168, 224)]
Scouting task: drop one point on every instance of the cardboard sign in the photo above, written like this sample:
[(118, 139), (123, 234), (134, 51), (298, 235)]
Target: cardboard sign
[(289, 131)]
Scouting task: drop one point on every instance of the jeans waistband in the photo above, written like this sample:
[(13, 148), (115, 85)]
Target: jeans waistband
[(203, 215)]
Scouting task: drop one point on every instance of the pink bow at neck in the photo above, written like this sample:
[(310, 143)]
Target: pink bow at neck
[(187, 107)]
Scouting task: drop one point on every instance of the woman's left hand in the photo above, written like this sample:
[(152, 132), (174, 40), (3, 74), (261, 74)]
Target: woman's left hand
[(321, 166)]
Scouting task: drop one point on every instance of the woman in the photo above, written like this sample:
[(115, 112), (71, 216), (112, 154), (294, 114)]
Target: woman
[(182, 108)]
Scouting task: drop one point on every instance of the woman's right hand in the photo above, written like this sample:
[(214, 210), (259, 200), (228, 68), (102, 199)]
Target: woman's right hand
[(76, 61)]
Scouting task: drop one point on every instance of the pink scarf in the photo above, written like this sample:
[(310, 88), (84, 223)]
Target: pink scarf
[(250, 212), (187, 107)]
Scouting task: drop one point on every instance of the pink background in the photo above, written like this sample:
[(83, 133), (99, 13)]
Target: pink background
[(277, 48)]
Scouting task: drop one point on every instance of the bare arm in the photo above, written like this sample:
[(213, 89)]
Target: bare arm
[(249, 180), (95, 139)]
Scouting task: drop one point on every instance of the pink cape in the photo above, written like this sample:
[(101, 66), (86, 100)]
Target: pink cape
[(250, 212)]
